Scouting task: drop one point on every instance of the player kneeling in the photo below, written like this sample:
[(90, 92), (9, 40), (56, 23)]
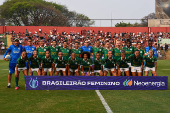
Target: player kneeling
[(109, 65), (34, 63), (47, 64), (151, 63), (73, 65), (97, 65), (136, 63), (86, 64), (122, 64), (21, 66), (60, 64)]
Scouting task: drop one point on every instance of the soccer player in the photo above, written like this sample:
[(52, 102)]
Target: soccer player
[(151, 63), (29, 48), (34, 63), (110, 65), (117, 50), (105, 50), (73, 65), (97, 65), (65, 50), (122, 64), (47, 64), (15, 52), (41, 49), (97, 49), (86, 47), (136, 63), (129, 50), (54, 49), (150, 47), (21, 66), (60, 64), (77, 50), (86, 64), (141, 51)]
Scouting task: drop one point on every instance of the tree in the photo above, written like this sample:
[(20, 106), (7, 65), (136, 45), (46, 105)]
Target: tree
[(37, 13), (144, 20), (122, 24)]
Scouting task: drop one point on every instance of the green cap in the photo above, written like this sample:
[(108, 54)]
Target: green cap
[(16, 39)]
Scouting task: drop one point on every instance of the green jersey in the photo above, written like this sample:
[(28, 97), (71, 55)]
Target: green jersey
[(34, 62), (66, 52), (86, 64), (105, 52), (77, 52), (97, 64), (109, 63), (41, 51), (150, 62), (54, 51), (21, 62), (117, 53), (73, 64), (136, 61), (47, 63), (129, 51), (60, 63), (95, 50), (141, 51), (123, 63)]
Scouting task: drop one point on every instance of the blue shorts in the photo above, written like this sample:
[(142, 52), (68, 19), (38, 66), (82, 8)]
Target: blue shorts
[(12, 68)]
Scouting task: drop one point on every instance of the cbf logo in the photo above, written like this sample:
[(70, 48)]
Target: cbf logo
[(33, 83), (128, 82)]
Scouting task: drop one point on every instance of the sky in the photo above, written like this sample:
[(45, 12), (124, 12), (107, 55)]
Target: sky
[(107, 9)]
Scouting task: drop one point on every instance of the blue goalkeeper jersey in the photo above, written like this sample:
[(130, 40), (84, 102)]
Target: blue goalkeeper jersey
[(15, 52), (29, 50)]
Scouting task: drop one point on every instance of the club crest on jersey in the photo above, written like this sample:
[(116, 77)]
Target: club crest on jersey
[(99, 49), (67, 50), (19, 48), (79, 51), (89, 48), (44, 49), (141, 52), (131, 49), (56, 49), (32, 48), (75, 62), (62, 62), (88, 62)]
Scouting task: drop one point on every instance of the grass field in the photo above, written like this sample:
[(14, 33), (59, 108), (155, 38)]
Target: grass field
[(23, 101)]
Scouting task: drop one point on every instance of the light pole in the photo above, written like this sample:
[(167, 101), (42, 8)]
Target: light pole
[(111, 19)]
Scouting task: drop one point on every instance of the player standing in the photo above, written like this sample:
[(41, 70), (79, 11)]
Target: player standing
[(97, 65), (141, 51), (97, 49), (21, 66), (65, 50), (41, 49), (76, 50), (73, 65), (107, 49), (15, 52), (117, 50), (136, 63), (122, 64), (34, 63), (110, 65), (29, 49), (151, 63), (54, 49)]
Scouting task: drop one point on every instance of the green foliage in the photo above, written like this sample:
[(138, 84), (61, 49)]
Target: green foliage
[(39, 13), (122, 24)]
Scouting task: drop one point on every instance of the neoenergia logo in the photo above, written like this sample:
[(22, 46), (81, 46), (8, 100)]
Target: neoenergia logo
[(128, 82), (33, 83)]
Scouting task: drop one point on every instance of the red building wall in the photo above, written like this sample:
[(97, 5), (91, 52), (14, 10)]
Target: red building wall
[(78, 29)]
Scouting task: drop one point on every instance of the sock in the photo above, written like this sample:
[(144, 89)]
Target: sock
[(9, 84), (16, 81), (25, 78)]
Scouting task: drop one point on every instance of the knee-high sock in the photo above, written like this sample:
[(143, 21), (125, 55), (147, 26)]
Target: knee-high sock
[(16, 81)]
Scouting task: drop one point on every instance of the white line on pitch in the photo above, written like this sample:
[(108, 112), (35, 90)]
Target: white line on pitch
[(165, 69), (106, 106)]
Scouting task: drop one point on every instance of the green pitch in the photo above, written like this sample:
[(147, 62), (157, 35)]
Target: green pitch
[(23, 101)]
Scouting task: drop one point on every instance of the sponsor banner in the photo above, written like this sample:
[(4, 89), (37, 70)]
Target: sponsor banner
[(96, 83)]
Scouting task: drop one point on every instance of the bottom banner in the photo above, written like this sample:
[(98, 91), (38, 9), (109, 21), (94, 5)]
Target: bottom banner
[(96, 83)]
